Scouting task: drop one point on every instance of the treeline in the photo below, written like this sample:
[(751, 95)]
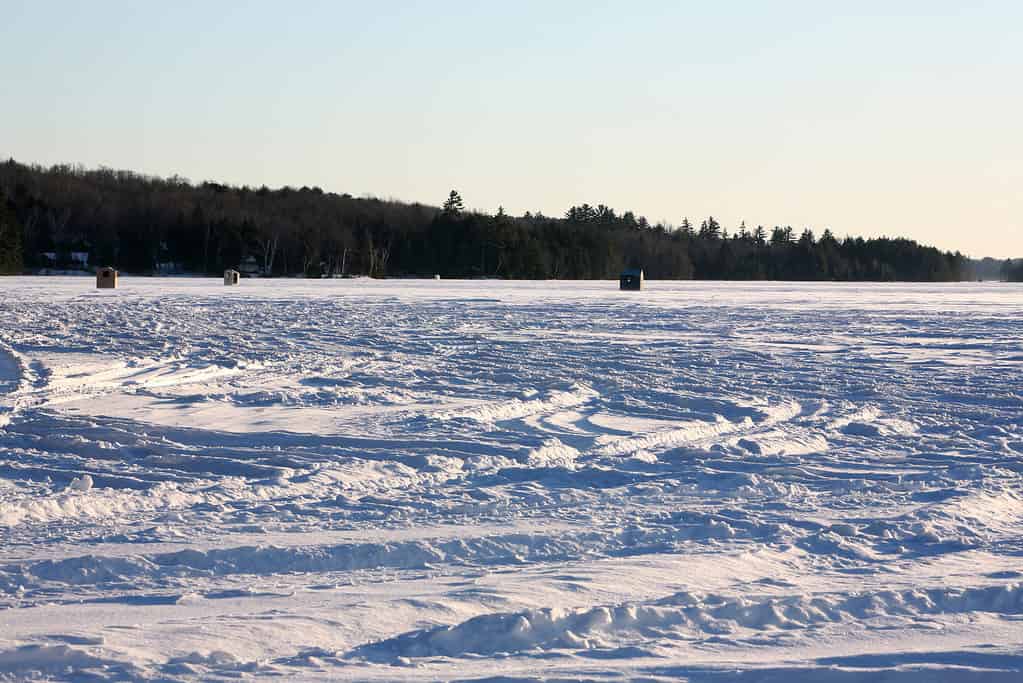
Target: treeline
[(1013, 270), (1009, 270), (66, 216)]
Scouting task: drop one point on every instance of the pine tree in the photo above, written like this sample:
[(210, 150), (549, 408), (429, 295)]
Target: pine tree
[(454, 206), (710, 229), (713, 227), (687, 229)]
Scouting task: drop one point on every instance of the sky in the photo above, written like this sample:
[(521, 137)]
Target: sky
[(897, 118)]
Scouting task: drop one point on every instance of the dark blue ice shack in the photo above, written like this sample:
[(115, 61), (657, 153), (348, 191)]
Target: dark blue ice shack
[(632, 279)]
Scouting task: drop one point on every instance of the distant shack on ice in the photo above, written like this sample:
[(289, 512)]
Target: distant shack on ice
[(631, 280), (106, 278)]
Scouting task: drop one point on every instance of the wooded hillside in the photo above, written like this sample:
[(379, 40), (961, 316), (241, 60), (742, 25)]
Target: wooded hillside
[(55, 217)]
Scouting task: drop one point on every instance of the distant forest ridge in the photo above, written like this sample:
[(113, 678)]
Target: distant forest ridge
[(68, 217)]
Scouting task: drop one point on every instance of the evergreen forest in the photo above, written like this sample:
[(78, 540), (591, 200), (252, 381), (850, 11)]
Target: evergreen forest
[(69, 217)]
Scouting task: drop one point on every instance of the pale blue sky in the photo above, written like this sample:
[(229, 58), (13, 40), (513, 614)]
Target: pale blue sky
[(900, 118)]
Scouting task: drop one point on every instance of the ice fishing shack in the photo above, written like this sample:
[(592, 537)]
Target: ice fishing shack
[(106, 278), (631, 279)]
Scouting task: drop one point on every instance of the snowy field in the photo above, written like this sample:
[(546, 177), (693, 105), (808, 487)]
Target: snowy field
[(423, 480)]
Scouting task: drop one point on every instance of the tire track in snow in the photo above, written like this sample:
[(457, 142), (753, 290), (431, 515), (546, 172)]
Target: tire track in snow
[(515, 408), (696, 434), (17, 376)]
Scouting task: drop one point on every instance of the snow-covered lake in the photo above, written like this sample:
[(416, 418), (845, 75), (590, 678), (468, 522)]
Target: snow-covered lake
[(428, 480)]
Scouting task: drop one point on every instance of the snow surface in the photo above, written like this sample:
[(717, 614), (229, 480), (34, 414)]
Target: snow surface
[(433, 480)]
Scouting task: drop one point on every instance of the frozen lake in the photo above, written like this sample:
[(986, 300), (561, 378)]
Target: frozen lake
[(427, 480)]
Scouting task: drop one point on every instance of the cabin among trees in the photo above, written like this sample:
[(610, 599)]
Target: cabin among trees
[(142, 223)]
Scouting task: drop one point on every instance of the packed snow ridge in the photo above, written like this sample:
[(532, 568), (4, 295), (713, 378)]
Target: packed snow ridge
[(425, 480), (682, 616)]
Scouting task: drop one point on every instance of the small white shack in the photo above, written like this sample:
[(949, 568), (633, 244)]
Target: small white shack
[(232, 277), (106, 278)]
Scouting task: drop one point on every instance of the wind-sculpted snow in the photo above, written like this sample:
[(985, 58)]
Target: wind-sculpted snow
[(683, 616), (380, 480)]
